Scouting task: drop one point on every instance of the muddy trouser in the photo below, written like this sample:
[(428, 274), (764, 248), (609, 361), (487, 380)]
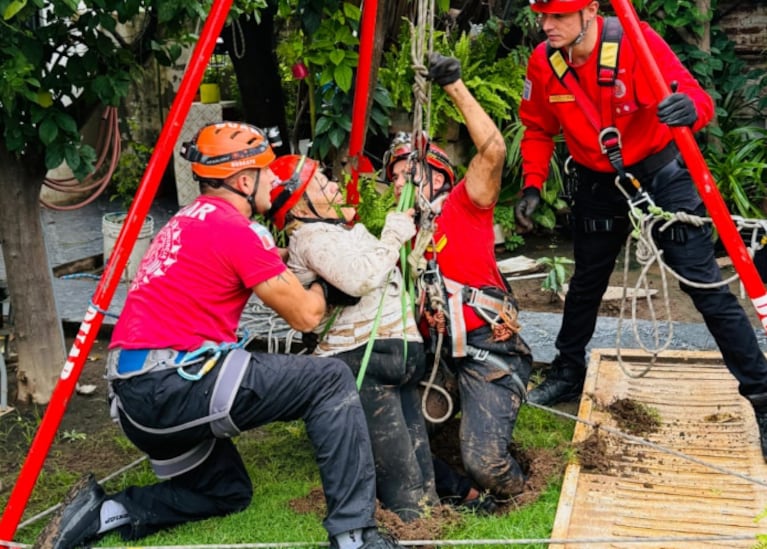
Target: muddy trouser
[(390, 397), (320, 391), (688, 250), (490, 400)]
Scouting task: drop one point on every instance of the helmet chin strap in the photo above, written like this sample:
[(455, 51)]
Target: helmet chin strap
[(251, 198), (332, 220), (579, 38)]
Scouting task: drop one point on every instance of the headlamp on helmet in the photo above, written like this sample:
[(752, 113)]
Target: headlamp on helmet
[(221, 150)]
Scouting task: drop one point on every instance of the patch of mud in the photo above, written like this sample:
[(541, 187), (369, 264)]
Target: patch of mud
[(595, 454), (633, 417)]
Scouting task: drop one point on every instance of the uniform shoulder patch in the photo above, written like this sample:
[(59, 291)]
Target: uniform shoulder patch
[(527, 90), (267, 240)]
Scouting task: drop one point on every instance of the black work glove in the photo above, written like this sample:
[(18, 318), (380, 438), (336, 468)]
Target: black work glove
[(677, 109), (531, 197), (444, 70), (310, 341), (334, 296)]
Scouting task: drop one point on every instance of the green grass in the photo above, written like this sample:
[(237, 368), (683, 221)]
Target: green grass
[(282, 468)]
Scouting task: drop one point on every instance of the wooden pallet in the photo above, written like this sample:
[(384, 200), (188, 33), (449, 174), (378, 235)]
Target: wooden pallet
[(652, 494)]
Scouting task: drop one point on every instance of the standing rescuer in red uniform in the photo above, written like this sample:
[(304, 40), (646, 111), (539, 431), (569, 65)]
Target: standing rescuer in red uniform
[(613, 126)]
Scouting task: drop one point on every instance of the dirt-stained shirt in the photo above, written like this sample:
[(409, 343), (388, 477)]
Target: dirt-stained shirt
[(358, 263), (549, 108), (196, 278)]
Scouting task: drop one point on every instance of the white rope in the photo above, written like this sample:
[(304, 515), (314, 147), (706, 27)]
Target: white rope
[(648, 254), (472, 542)]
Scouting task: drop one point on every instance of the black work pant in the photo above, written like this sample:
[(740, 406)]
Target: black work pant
[(688, 250), (390, 397), (321, 391)]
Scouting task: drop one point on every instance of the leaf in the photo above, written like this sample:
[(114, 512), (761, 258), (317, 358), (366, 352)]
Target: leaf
[(13, 8), (343, 77), (336, 56), (48, 131)]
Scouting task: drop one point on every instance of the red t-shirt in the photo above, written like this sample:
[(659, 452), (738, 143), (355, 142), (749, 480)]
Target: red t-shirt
[(196, 278), (548, 108), (465, 246)]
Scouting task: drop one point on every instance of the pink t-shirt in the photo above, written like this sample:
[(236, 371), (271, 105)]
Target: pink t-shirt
[(196, 278)]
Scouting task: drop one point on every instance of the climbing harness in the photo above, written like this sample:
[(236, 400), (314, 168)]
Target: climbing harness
[(233, 360)]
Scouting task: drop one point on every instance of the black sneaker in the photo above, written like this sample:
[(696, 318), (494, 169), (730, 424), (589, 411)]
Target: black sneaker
[(761, 421), (562, 384), (375, 539), (78, 518)]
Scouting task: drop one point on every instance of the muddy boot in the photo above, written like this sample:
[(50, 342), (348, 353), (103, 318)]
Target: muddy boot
[(562, 384), (759, 402), (77, 520)]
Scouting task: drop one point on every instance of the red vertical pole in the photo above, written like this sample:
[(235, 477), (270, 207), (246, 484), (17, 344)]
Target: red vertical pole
[(699, 171), (359, 110), (105, 290)]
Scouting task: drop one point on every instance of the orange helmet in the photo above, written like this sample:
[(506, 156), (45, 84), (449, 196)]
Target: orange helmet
[(295, 173), (402, 148), (558, 6), (221, 150)]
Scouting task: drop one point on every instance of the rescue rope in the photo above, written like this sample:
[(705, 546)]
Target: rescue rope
[(465, 542), (644, 442), (645, 223)]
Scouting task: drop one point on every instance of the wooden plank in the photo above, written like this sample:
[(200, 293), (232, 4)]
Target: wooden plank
[(652, 493)]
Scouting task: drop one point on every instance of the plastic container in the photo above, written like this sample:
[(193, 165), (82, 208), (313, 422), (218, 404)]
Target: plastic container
[(111, 225)]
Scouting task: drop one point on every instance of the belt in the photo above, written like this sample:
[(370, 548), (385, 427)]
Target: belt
[(132, 360), (641, 170)]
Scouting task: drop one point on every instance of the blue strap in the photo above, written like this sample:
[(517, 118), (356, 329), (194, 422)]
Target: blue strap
[(132, 360)]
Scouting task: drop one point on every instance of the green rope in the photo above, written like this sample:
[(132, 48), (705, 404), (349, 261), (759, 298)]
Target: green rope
[(406, 201)]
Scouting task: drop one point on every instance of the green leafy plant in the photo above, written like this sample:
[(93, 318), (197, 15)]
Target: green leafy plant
[(504, 216), (554, 283), (130, 169), (325, 48), (73, 435), (334, 122), (738, 164), (495, 79), (374, 204), (552, 203)]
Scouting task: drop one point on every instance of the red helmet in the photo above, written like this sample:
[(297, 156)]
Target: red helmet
[(295, 173), (435, 157), (558, 6), (221, 150)]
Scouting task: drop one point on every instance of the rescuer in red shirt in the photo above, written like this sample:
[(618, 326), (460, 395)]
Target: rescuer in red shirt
[(613, 126)]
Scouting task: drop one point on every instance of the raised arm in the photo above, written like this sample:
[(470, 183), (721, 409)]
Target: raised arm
[(483, 177)]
